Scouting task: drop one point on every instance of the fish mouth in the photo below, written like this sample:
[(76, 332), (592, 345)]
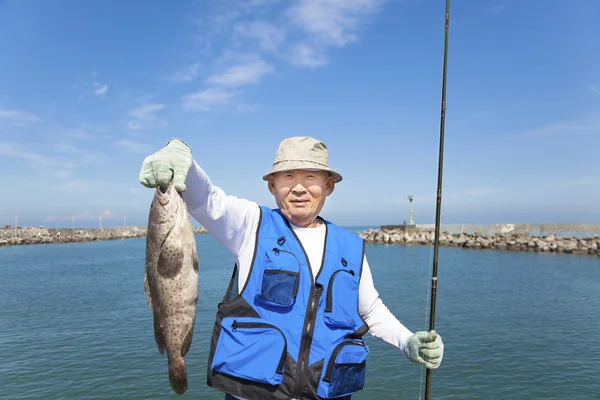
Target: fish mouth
[(164, 194)]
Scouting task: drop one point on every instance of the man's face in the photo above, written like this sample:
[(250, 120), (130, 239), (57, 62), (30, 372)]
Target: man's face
[(300, 194)]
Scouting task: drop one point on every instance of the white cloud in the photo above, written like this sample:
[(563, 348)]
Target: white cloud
[(333, 22), (93, 87), (17, 117), (14, 150), (66, 148), (585, 124), (101, 90), (186, 74), (144, 116), (57, 163), (238, 75), (205, 100), (276, 34), (76, 185), (464, 196), (304, 55), (268, 36), (594, 89), (134, 146), (107, 214)]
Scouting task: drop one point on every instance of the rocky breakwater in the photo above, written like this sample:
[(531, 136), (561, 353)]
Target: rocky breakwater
[(550, 243), (22, 236)]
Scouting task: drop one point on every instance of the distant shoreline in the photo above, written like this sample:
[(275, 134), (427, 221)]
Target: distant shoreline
[(504, 237), (26, 236)]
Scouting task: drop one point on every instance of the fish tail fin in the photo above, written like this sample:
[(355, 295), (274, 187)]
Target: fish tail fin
[(177, 374)]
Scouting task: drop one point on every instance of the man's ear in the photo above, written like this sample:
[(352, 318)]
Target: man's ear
[(271, 184), (329, 185)]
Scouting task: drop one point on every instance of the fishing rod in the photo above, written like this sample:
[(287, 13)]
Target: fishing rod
[(439, 196)]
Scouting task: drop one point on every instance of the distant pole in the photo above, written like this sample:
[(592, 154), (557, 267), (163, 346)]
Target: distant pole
[(411, 213), (73, 228), (16, 218), (125, 220), (101, 222)]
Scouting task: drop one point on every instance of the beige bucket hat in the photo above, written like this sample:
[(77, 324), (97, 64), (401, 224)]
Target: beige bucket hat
[(302, 152)]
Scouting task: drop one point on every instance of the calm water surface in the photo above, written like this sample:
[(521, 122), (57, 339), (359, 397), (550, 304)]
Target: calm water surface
[(74, 323)]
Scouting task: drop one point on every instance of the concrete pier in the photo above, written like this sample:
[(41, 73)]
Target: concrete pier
[(22, 236), (552, 238)]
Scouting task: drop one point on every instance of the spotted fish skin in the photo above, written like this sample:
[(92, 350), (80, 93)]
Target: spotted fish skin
[(171, 280)]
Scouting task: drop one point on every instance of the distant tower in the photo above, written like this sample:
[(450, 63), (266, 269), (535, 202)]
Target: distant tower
[(412, 217)]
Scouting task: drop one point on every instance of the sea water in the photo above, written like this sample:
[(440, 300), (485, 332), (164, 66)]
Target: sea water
[(74, 323)]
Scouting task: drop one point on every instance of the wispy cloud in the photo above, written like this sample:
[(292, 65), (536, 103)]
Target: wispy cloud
[(81, 132), (57, 164), (94, 87), (15, 150), (594, 89), (17, 117), (239, 75), (144, 116), (186, 74), (205, 100), (586, 124), (134, 146), (100, 89), (304, 55), (465, 195), (76, 185), (332, 22), (270, 35), (107, 214)]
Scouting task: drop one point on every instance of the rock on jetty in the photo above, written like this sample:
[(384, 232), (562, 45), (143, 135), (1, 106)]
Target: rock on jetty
[(550, 243), (21, 236)]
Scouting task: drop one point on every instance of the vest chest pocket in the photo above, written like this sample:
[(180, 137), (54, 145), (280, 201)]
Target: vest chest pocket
[(340, 302), (252, 349), (280, 279), (345, 371)]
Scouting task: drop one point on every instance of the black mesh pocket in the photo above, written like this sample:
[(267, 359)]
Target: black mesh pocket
[(279, 287)]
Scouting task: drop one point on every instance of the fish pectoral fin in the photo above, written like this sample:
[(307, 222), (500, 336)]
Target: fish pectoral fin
[(147, 291), (158, 336), (187, 341), (194, 257)]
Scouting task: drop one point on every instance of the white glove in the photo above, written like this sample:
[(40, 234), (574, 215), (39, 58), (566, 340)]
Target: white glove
[(425, 348)]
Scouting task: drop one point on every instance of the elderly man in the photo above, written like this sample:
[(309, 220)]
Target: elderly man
[(301, 296)]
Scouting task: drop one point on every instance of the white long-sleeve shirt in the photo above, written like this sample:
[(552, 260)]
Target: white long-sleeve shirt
[(233, 222)]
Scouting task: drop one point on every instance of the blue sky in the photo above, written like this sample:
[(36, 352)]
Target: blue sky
[(88, 89)]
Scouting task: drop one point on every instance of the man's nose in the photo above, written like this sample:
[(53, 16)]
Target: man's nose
[(299, 189)]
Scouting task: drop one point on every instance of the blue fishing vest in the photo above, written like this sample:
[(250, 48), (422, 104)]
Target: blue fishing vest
[(288, 335)]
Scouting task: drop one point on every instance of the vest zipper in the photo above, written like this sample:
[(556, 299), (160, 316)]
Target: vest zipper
[(329, 300), (277, 251), (236, 325), (334, 355), (308, 329), (307, 338)]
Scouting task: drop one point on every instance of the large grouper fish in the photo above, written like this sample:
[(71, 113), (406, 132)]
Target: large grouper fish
[(171, 280)]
